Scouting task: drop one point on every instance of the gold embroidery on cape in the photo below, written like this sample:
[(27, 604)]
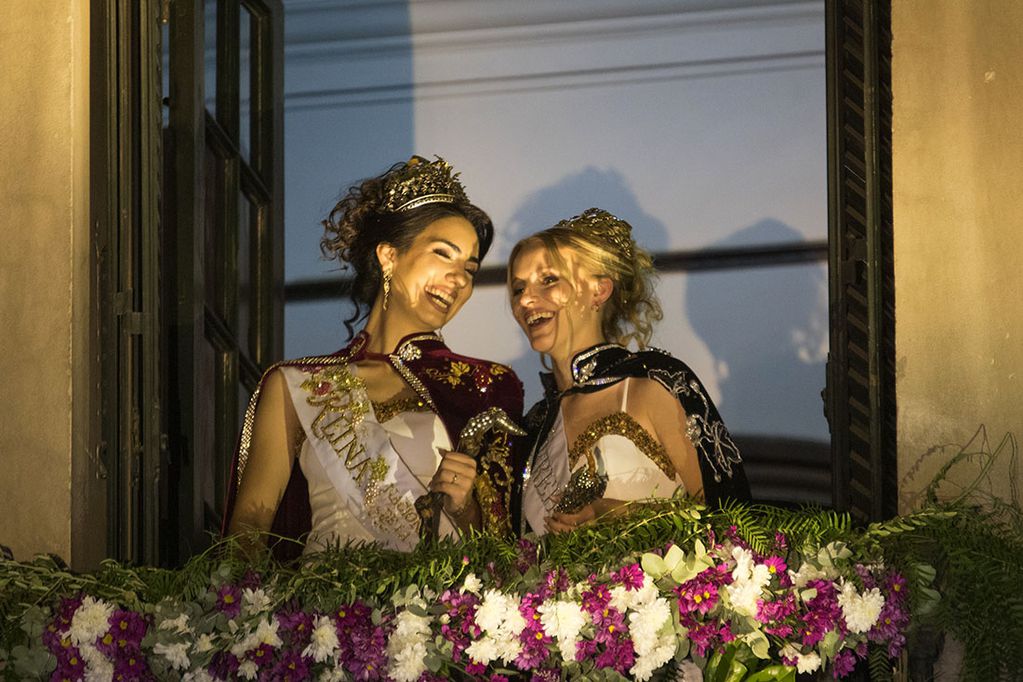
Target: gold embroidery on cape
[(387, 410), (453, 375), (621, 424), (341, 397)]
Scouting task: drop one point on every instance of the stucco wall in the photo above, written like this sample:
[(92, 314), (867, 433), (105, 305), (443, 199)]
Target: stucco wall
[(958, 211), (44, 276)]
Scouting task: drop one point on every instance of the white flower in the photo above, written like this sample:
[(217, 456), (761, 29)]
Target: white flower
[(406, 647), (653, 647), (790, 651), (806, 573), (645, 666), (323, 640), (483, 650), (255, 601), (646, 623), (748, 582), (563, 620), (689, 672), (248, 670), (90, 622), (98, 668), (647, 592), (203, 644), (499, 618), (334, 673), (265, 633), (471, 584), (199, 675), (178, 625), (860, 610), (808, 663), (176, 654)]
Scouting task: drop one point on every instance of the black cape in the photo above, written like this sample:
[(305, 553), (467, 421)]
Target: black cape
[(604, 365)]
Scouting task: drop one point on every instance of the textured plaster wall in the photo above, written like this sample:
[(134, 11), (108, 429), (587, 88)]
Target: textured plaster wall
[(44, 266), (958, 211)]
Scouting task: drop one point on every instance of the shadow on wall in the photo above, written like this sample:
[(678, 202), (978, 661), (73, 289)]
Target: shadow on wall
[(767, 329)]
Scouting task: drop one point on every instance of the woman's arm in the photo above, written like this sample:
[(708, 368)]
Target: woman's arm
[(656, 407), (271, 456)]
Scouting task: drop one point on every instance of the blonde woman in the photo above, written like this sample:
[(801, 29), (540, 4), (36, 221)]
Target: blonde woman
[(615, 424)]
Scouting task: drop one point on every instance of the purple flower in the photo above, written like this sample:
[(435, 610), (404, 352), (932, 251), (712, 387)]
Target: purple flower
[(70, 665), (130, 664), (229, 600), (526, 555), (844, 663), (780, 541), (262, 655), (223, 666), (297, 626), (291, 667), (823, 613)]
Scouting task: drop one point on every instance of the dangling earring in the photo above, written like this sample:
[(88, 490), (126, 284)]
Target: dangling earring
[(387, 287), (596, 306)]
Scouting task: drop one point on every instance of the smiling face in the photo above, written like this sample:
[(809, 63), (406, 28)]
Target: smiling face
[(553, 301), (433, 278)]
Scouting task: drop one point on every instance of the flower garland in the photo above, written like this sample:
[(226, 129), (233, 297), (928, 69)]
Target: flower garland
[(710, 604)]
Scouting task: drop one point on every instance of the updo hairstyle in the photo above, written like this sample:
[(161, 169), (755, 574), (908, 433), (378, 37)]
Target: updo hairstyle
[(604, 246), (362, 220)]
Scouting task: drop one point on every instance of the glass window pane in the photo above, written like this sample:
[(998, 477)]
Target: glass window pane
[(245, 65), (210, 61), (247, 220)]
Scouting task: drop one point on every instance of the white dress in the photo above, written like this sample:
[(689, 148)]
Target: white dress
[(636, 465), (364, 474)]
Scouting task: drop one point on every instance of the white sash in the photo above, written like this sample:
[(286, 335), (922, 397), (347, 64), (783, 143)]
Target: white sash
[(357, 456)]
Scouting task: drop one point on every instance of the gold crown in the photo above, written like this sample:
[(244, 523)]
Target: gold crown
[(610, 231), (419, 182)]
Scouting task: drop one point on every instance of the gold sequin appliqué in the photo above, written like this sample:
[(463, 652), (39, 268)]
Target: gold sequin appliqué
[(621, 424), (387, 410)]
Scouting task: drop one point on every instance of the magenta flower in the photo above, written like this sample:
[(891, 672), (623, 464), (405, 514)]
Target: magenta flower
[(776, 565), (631, 576), (823, 614), (461, 628), (710, 637), (535, 641)]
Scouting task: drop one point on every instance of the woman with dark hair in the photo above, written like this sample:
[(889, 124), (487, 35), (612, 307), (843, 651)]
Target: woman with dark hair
[(360, 445), (615, 425)]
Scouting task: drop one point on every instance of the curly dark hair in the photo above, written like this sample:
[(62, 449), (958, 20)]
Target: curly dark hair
[(357, 224)]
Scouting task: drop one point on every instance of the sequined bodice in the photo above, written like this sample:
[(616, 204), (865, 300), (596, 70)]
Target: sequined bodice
[(635, 463)]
